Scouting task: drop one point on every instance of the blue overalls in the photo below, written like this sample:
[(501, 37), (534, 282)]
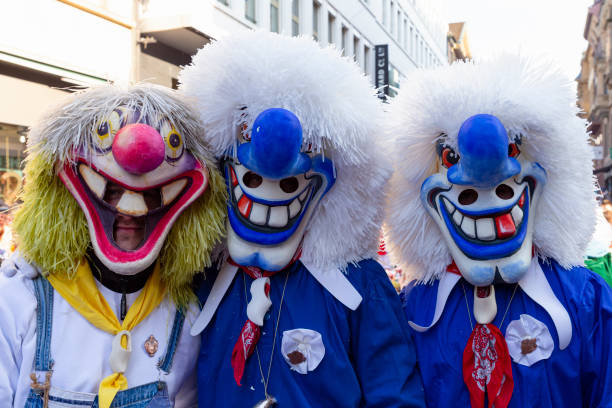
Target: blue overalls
[(151, 395)]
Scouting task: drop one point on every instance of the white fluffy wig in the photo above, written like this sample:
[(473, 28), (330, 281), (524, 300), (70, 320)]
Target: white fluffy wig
[(530, 98), (339, 114)]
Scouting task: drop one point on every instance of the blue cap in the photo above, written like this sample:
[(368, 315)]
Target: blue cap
[(275, 147), (483, 152)]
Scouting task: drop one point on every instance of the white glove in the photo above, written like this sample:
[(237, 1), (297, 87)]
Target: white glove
[(16, 264)]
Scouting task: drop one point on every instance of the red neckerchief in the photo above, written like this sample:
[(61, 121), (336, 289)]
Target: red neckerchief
[(250, 333), (487, 368)]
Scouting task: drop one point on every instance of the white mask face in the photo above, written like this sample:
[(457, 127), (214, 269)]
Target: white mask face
[(484, 201), (132, 187), (274, 188)]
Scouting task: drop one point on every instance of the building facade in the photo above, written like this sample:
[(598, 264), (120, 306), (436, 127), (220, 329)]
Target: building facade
[(414, 30), (595, 86), (49, 47)]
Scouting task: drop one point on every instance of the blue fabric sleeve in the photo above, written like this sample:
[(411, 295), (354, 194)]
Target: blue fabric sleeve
[(381, 344), (595, 314)]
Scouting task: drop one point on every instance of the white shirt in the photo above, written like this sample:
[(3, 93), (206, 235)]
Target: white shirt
[(80, 351)]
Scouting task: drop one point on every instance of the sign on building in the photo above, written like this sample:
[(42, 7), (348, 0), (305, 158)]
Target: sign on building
[(381, 64)]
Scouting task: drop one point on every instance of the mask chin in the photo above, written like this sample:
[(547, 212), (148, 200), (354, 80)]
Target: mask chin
[(257, 235), (488, 231)]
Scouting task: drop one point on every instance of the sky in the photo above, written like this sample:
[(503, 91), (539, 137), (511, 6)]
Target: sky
[(550, 27)]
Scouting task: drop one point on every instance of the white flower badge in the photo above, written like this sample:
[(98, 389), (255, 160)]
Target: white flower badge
[(529, 340), (302, 349)]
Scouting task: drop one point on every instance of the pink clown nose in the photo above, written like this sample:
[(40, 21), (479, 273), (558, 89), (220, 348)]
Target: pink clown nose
[(138, 148)]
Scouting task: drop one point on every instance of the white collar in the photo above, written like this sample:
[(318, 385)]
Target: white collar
[(334, 281), (534, 284)]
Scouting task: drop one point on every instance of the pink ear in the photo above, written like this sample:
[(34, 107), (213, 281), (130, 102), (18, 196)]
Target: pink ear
[(138, 148)]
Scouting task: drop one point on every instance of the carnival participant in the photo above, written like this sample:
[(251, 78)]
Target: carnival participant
[(121, 208), (493, 204), (299, 315)]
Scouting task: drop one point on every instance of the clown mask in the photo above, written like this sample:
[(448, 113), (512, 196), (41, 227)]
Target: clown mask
[(274, 186), (132, 185), (484, 200)]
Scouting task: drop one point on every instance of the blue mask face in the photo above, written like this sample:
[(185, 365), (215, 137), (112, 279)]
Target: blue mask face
[(274, 186), (484, 200)]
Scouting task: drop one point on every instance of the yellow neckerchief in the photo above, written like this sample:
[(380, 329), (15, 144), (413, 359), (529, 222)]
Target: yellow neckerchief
[(82, 294)]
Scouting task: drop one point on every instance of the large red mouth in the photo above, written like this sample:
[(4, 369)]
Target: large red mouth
[(133, 210)]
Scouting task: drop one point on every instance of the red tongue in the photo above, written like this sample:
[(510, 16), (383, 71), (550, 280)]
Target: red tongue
[(504, 226), (244, 206)]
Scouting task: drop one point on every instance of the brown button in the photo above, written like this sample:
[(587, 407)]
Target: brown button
[(295, 357), (528, 346), (151, 345)]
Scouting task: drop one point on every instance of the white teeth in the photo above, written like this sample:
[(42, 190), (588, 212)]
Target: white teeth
[(132, 203), (278, 216), (468, 226), (259, 213), (457, 217), (272, 216), (304, 194), (95, 182), (517, 215), (170, 191), (294, 208), (448, 205), (237, 193), (485, 229)]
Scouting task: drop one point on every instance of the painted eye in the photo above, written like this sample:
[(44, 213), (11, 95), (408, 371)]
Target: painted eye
[(449, 157), (244, 133), (513, 150), (104, 132), (173, 141)]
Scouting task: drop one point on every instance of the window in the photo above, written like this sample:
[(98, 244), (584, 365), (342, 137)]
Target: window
[(295, 17), (392, 28), (315, 20), (356, 54), (366, 60), (274, 26), (331, 25), (385, 10), (344, 40), (249, 10), (394, 81), (421, 51), (405, 38), (399, 25), (411, 52), (226, 2)]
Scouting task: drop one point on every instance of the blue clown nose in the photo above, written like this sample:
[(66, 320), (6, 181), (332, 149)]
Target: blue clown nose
[(483, 154), (275, 147)]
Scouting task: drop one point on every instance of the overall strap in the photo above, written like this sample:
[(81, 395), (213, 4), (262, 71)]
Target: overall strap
[(44, 317), (165, 364)]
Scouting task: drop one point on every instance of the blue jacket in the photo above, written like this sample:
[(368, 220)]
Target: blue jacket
[(578, 376), (369, 355)]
